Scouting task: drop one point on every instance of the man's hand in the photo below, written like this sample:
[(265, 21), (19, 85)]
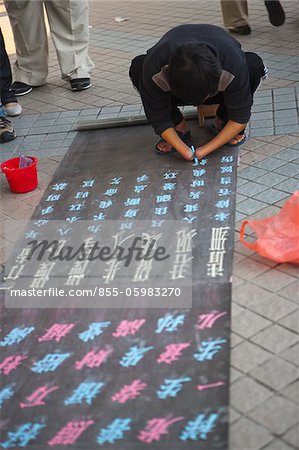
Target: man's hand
[(229, 132)]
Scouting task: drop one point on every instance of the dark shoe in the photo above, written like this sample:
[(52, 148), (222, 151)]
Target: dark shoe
[(7, 133), (240, 30), (275, 12), (18, 88), (80, 84)]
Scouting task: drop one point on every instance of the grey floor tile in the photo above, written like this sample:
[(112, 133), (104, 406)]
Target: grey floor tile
[(258, 132), (289, 154), (250, 188), (271, 196), (292, 391), (272, 179), (292, 436), (277, 414), (258, 394), (269, 163), (285, 121), (250, 206), (251, 173), (274, 280), (288, 186), (275, 373), (249, 294), (247, 324), (275, 338), (274, 307), (291, 321), (249, 432), (287, 129), (277, 444), (246, 356), (289, 170)]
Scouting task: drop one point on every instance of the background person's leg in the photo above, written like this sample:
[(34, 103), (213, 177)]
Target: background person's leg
[(235, 16), (27, 22), (68, 20)]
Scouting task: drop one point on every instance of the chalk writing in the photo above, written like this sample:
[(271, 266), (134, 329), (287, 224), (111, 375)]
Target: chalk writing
[(84, 393), (199, 428), (172, 353), (156, 428), (23, 435), (129, 392), (37, 397), (127, 327), (171, 387), (169, 323), (11, 363), (134, 355), (50, 362), (16, 336), (94, 330), (208, 349), (70, 433), (56, 332), (114, 431), (93, 359)]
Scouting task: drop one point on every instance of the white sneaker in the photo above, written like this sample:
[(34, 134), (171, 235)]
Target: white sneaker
[(13, 109)]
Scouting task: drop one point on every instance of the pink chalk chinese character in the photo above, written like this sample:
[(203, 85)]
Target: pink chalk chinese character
[(56, 332), (155, 428), (36, 398), (208, 320), (202, 387), (93, 359), (127, 327), (10, 363), (70, 433), (129, 392), (172, 353)]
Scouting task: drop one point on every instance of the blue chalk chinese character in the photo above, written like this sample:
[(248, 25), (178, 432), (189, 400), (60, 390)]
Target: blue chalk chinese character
[(195, 195), (63, 232), (203, 162), (132, 202), (161, 211), (139, 188), (227, 159), (47, 210), (116, 180), (224, 192), (197, 183), (190, 208), (169, 186), (94, 228), (157, 223), (170, 175), (226, 169), (105, 204), (225, 180), (142, 179), (72, 219), (59, 186), (100, 216), (171, 387), (31, 234), (53, 198), (222, 203), (24, 434), (82, 194), (189, 219), (94, 330), (199, 428), (50, 362), (5, 394), (169, 323), (84, 393), (208, 349), (41, 222), (76, 207), (126, 226), (110, 192), (198, 172), (16, 336), (163, 198), (87, 183), (114, 431), (131, 213), (134, 355), (221, 216)]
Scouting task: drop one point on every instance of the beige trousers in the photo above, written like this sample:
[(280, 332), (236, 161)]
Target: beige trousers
[(68, 20), (235, 13)]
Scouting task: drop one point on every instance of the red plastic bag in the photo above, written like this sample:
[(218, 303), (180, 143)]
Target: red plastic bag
[(277, 236)]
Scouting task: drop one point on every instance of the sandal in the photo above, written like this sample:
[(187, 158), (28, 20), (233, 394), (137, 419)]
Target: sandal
[(215, 131), (186, 138)]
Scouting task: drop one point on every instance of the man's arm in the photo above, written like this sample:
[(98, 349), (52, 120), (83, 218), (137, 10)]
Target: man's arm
[(229, 131), (170, 135)]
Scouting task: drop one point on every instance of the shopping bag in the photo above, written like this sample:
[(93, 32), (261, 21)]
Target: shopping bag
[(277, 236)]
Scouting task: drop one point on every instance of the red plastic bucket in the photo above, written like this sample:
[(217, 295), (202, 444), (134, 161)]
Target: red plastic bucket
[(20, 180)]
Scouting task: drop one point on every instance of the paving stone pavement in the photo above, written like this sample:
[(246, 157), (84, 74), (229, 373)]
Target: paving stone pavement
[(265, 341)]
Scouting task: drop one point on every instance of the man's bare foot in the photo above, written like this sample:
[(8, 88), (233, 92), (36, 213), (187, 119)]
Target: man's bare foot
[(164, 146), (237, 139)]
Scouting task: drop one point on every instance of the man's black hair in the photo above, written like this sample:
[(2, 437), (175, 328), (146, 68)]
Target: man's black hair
[(193, 73)]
